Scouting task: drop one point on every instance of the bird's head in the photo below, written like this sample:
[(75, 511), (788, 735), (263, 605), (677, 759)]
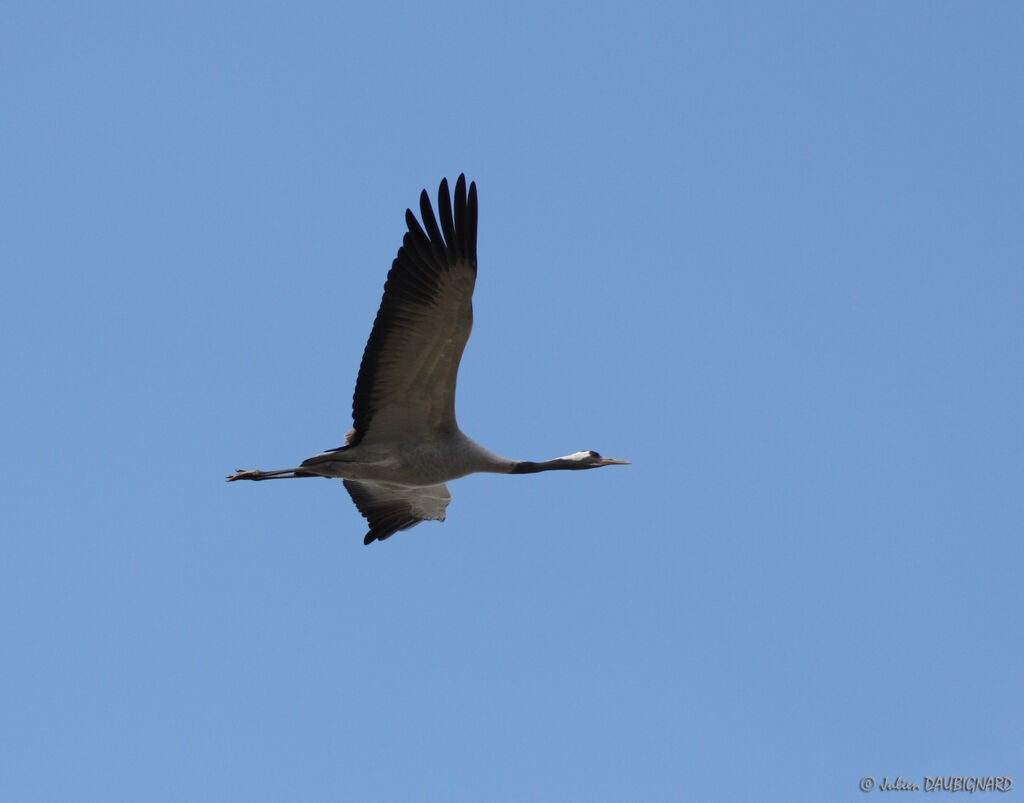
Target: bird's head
[(590, 459)]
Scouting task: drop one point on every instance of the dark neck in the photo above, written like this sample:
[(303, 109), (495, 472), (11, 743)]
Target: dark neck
[(527, 467)]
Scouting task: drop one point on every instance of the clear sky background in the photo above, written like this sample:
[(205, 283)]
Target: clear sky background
[(771, 253)]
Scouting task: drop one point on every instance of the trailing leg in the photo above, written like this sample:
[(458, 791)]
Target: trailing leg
[(281, 474)]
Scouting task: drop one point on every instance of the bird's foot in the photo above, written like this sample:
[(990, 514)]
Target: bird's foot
[(252, 474)]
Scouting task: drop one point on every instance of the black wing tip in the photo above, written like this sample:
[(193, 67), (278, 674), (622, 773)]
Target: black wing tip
[(456, 233), (383, 533), (412, 222), (462, 198), (460, 188), (443, 190)]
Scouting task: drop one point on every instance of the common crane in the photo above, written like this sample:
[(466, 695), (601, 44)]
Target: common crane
[(405, 445)]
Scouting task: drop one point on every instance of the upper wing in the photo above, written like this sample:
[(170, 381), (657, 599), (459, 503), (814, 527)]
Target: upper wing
[(390, 508), (406, 383)]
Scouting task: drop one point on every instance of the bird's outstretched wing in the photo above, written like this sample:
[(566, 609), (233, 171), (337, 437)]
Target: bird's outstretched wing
[(390, 508), (406, 384)]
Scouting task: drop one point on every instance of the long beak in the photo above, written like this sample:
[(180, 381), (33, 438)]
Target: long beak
[(608, 461)]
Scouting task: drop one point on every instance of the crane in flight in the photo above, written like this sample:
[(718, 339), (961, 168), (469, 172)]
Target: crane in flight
[(405, 445)]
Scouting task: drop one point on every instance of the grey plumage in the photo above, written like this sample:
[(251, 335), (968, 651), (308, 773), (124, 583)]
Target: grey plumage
[(405, 442)]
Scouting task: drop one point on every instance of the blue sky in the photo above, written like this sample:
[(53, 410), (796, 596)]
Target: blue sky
[(771, 253)]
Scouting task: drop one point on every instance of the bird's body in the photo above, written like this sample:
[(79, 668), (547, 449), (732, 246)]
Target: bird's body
[(410, 462), (406, 443)]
